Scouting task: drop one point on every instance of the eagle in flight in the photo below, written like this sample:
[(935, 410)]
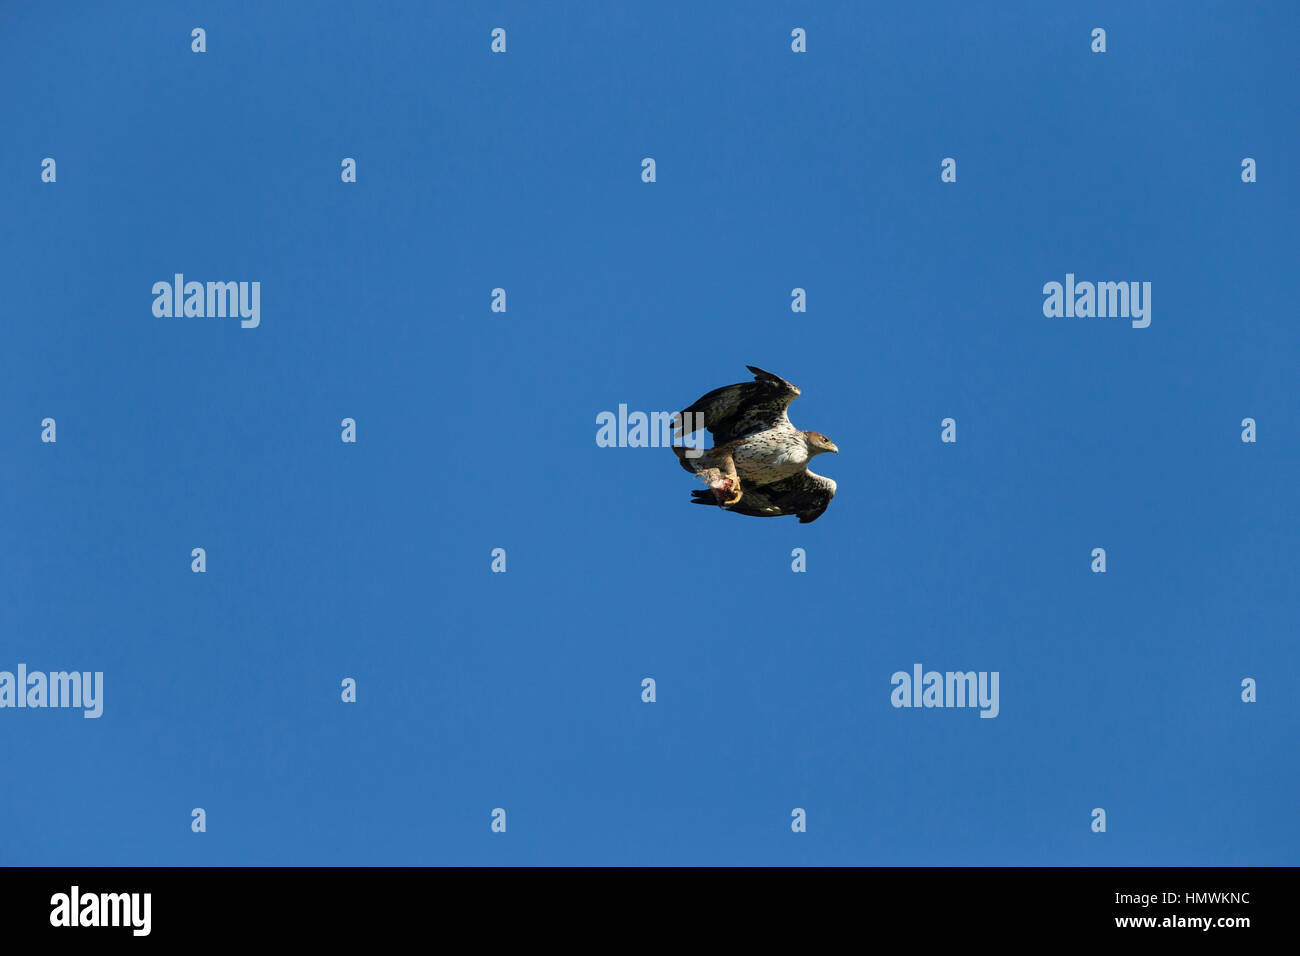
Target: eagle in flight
[(758, 464)]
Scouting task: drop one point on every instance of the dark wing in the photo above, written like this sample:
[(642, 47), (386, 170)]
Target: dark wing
[(734, 411), (805, 494)]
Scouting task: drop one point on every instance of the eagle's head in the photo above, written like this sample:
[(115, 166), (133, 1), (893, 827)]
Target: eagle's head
[(818, 443)]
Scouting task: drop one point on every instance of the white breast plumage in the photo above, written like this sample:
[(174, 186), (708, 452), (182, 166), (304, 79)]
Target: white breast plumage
[(771, 455)]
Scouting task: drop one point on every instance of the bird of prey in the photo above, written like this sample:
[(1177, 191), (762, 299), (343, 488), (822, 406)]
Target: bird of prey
[(758, 464)]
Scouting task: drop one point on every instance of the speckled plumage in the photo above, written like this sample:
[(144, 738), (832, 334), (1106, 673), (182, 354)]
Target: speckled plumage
[(759, 461), (770, 455)]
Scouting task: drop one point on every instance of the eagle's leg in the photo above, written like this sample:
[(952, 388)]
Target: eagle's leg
[(726, 491), (724, 482), (717, 469)]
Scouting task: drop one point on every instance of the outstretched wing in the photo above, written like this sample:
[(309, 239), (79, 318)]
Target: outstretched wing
[(734, 411), (806, 494)]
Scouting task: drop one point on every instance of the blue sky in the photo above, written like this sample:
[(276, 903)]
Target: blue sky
[(476, 430)]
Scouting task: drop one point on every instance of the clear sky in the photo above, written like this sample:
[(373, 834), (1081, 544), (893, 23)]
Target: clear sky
[(476, 430)]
